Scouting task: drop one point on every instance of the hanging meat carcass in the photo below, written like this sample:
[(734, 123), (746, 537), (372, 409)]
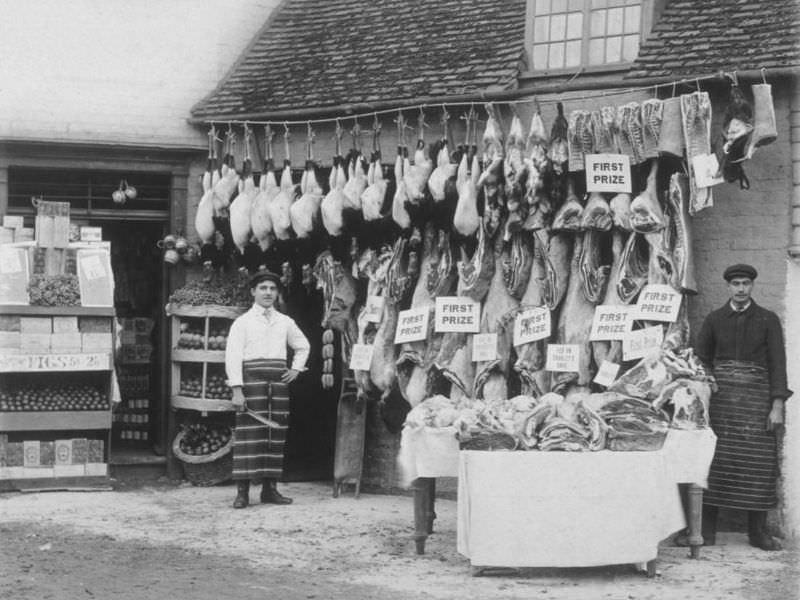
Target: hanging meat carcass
[(557, 248), (652, 114), (228, 182), (681, 245), (604, 130), (634, 267), (416, 175), (540, 205), (570, 214), (611, 350), (466, 220), (517, 169), (491, 183), (304, 212), (516, 263), (647, 215), (401, 196), (260, 219), (497, 316), (332, 204), (374, 194), (596, 214), (579, 138), (696, 123), (280, 206), (594, 273), (242, 206)]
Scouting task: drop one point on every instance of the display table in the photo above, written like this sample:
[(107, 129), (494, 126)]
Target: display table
[(429, 453)]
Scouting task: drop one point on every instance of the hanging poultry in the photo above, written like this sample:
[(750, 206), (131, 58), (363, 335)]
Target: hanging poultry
[(333, 202), (491, 181), (228, 181), (204, 217), (280, 206), (401, 196), (416, 175), (242, 205), (304, 212), (260, 219), (373, 196)]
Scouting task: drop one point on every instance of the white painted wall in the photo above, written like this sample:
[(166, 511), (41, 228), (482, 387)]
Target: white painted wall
[(117, 71)]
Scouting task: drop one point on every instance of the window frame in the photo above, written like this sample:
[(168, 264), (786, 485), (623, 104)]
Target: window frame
[(649, 10)]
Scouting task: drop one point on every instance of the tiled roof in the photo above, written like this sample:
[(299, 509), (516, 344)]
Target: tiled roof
[(317, 54), (695, 37)]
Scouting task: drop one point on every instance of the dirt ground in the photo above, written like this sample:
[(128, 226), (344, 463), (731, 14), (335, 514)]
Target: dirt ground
[(185, 542)]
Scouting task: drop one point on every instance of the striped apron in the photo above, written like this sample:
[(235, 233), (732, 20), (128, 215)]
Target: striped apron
[(745, 467), (258, 449)]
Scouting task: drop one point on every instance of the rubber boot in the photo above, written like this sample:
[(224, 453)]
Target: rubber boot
[(270, 493), (757, 531), (242, 494)]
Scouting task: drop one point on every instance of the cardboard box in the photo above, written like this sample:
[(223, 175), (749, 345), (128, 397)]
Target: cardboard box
[(34, 343), (91, 342), (63, 452), (36, 325), (10, 339), (31, 456), (47, 454), (69, 470), (66, 342), (96, 469), (94, 324), (10, 323), (80, 451), (14, 222), (15, 454), (65, 325)]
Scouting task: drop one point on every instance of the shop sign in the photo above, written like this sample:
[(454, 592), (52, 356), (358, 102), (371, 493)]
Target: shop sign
[(13, 275), (412, 325), (54, 362), (361, 357), (484, 347), (531, 324), (641, 342), (563, 357), (611, 322), (658, 302), (454, 313), (608, 173), (373, 309), (606, 373)]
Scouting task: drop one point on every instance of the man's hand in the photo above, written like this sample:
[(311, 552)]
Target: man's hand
[(238, 399), (775, 417), (289, 375)]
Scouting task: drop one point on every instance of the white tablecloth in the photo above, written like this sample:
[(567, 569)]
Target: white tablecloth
[(562, 509), (427, 452)]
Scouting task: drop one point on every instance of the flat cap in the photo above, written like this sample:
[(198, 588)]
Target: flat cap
[(740, 271), (264, 275)]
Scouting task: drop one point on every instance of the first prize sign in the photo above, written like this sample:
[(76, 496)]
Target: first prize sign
[(454, 313), (412, 325), (608, 173), (531, 324), (658, 302)]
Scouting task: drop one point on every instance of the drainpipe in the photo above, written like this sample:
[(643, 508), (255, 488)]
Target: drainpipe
[(794, 140)]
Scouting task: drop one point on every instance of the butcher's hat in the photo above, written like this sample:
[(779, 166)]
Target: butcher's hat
[(264, 275), (740, 271)]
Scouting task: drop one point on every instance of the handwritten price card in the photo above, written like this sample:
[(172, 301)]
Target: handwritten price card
[(642, 342), (374, 309), (361, 357), (563, 357), (484, 347)]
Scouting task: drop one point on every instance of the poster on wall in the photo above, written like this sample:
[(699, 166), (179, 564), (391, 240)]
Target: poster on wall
[(95, 277), (13, 275)]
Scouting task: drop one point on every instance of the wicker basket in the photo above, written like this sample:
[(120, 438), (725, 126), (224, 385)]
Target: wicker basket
[(490, 441), (208, 469)]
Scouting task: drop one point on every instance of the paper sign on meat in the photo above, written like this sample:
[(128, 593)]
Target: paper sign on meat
[(412, 325), (563, 357), (531, 324), (658, 302), (640, 343), (611, 322), (455, 313)]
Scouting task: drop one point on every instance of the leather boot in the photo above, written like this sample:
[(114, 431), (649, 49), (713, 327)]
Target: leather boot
[(242, 494), (757, 531), (270, 494)]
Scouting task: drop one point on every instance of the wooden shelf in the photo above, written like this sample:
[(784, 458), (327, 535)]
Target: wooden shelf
[(187, 355), (57, 311), (204, 405), (52, 362), (55, 420)]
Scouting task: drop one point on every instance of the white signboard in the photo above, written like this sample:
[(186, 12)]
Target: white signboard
[(412, 325), (606, 373), (531, 324), (54, 362), (642, 342), (454, 313), (611, 322), (484, 347), (374, 309), (563, 357), (658, 302), (608, 173), (361, 357)]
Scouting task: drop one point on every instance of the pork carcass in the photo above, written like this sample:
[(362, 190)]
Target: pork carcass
[(580, 139), (681, 238), (594, 274), (540, 206), (475, 273), (570, 214), (416, 175), (652, 114), (516, 171), (280, 206), (611, 350), (466, 219), (304, 212), (373, 195), (516, 263), (646, 213), (491, 181), (597, 213), (696, 125), (333, 203), (603, 130), (242, 207), (620, 206), (634, 268), (557, 260)]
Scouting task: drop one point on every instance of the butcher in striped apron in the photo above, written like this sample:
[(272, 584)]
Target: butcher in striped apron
[(743, 343), (256, 366)]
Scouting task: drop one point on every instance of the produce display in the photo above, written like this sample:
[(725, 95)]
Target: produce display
[(192, 335), (216, 386), (52, 397), (199, 439), (54, 290), (220, 289)]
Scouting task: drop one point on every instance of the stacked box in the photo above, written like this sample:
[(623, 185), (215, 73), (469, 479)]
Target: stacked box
[(10, 323), (52, 224), (13, 222), (95, 451), (65, 325), (10, 342), (66, 342), (24, 234), (94, 324), (64, 466), (95, 342), (36, 325), (6, 235), (35, 343)]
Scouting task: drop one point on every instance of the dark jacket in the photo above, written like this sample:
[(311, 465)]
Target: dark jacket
[(753, 335)]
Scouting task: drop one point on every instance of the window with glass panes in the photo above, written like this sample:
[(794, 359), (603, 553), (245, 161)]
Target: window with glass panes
[(566, 34)]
